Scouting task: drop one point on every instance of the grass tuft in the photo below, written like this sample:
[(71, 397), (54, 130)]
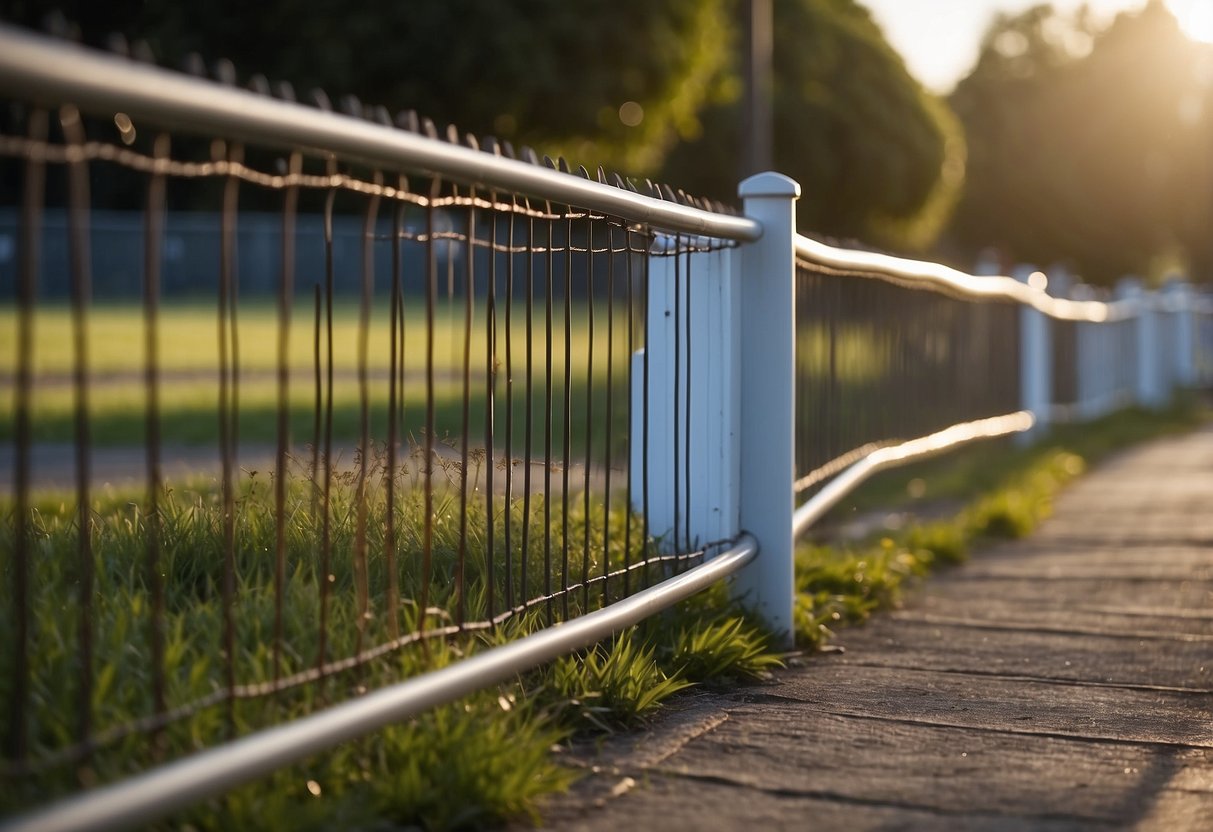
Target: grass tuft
[(730, 649), (614, 685)]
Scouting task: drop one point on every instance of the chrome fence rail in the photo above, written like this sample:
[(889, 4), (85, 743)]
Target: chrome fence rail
[(942, 278), (874, 460)]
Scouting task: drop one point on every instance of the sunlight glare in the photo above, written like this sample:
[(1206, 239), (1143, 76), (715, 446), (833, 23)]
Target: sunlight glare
[(1195, 18)]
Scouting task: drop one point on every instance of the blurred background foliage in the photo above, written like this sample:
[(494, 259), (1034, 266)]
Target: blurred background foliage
[(877, 157), (1088, 146), (1066, 142)]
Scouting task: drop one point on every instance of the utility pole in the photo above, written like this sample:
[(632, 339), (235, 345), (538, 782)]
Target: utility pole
[(757, 128)]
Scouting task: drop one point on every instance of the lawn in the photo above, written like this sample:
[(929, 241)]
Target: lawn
[(189, 353)]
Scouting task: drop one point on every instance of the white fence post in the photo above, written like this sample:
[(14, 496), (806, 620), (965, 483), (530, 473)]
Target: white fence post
[(1092, 379), (1202, 335), (692, 340), (1179, 303), (768, 352), (1035, 361), (1147, 381)]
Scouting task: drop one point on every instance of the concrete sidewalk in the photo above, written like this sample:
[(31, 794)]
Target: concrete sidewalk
[(1062, 682)]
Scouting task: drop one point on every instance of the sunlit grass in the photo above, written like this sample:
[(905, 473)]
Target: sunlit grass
[(189, 364), (850, 352), (189, 335)]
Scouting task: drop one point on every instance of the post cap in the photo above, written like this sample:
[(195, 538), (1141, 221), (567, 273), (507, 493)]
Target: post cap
[(769, 184), (1023, 272)]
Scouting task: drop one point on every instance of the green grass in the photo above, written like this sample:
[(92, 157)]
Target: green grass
[(189, 362), (189, 339), (481, 760), (1003, 493)]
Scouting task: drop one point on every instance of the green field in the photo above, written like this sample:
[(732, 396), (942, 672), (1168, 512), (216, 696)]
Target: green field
[(189, 356), (855, 363)]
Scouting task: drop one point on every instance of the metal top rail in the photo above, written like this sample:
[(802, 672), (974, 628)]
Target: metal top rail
[(900, 454), (54, 72), (954, 282)]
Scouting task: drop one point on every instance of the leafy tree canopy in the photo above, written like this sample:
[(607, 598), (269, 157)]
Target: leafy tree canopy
[(1094, 147), (878, 158), (614, 82)]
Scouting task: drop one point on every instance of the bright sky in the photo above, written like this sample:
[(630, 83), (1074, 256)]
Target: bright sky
[(940, 38)]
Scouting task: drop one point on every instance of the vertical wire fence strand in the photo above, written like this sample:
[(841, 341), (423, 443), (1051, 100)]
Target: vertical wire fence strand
[(608, 458), (644, 396), (674, 394), (153, 234), (469, 288), (509, 412), (431, 289), (227, 440), (567, 415), (686, 455), (326, 521), (81, 291), (27, 289), (286, 296), (637, 437), (528, 411), (632, 438), (361, 572), (589, 413), (490, 384), (395, 343), (547, 421)]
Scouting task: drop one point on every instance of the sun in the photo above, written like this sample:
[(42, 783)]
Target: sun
[(1195, 18)]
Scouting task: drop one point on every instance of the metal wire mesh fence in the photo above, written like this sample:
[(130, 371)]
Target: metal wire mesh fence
[(421, 437), (880, 361), (389, 395)]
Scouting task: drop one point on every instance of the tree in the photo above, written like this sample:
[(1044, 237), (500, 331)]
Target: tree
[(878, 158), (614, 82), (1089, 147)]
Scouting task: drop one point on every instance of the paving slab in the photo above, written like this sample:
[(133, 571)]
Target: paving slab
[(1064, 682)]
